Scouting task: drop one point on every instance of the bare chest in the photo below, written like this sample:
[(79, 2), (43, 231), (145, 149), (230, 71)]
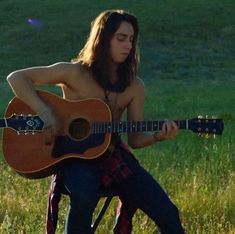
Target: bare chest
[(88, 88)]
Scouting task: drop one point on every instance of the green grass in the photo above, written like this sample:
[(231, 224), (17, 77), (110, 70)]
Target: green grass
[(187, 63)]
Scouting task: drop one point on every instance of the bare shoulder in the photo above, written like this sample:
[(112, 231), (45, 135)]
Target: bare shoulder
[(73, 71), (79, 70), (137, 86), (66, 67)]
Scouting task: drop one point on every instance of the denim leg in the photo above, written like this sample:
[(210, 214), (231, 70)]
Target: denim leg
[(143, 190), (82, 180)]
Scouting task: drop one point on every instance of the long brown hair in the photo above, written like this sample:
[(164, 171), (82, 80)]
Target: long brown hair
[(95, 53)]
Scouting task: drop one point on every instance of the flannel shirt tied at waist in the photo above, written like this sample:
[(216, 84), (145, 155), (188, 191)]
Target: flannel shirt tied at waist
[(114, 170)]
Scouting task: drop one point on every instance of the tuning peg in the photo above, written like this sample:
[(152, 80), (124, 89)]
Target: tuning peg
[(204, 135)]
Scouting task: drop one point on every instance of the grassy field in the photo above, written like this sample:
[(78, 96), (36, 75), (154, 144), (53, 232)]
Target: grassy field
[(188, 66)]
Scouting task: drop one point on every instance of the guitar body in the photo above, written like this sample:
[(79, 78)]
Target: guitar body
[(36, 155)]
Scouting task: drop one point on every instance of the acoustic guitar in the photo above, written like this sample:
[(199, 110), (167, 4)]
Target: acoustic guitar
[(86, 133)]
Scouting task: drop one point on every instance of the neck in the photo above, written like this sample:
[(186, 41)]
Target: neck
[(113, 73)]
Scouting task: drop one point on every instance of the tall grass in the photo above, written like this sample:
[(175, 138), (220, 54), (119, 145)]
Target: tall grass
[(187, 63)]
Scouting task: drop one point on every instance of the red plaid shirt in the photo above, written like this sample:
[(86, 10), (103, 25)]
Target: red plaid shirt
[(113, 171)]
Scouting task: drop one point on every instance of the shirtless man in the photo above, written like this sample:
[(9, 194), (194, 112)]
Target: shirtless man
[(106, 68)]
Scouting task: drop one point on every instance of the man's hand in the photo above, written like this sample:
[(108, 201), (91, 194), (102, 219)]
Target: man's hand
[(169, 131), (50, 121)]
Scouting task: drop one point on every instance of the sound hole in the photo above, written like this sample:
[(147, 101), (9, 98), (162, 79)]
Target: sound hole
[(79, 128)]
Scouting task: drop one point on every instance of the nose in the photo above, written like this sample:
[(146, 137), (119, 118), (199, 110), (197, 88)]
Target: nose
[(128, 44)]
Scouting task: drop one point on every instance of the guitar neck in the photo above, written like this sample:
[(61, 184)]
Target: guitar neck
[(133, 126)]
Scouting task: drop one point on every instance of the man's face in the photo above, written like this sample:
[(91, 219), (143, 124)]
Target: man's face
[(121, 42)]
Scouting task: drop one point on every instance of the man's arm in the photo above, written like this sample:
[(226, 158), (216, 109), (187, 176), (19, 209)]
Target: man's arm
[(23, 82), (135, 112)]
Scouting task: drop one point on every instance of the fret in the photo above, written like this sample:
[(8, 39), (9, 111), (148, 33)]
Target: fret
[(133, 126), (101, 127), (143, 125), (146, 126), (138, 127), (155, 125), (109, 127), (129, 127), (117, 127), (102, 130), (125, 124), (106, 127), (120, 129), (149, 125), (114, 129)]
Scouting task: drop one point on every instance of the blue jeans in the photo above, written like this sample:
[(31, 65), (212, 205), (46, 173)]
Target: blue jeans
[(82, 180)]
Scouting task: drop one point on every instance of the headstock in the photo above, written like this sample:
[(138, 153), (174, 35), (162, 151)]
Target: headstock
[(206, 126), (24, 123)]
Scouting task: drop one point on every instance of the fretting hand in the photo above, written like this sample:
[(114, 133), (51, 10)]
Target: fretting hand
[(169, 131)]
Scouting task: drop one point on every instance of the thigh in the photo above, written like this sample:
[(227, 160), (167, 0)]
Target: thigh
[(81, 177), (146, 192)]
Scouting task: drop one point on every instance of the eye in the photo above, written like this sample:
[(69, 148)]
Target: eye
[(120, 38)]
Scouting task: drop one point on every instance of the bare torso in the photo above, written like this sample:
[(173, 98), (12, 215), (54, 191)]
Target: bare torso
[(84, 86)]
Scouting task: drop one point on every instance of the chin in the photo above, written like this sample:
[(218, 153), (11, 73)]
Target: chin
[(121, 60)]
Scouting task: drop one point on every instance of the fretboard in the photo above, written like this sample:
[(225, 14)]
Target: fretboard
[(133, 126)]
